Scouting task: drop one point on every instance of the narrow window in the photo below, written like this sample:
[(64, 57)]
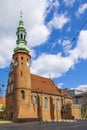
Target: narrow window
[(27, 59), (22, 94), (21, 73), (22, 58), (12, 77), (45, 102), (18, 36), (34, 100), (16, 59), (21, 36), (11, 87), (57, 103)]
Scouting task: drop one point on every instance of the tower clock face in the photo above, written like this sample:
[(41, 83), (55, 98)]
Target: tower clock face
[(16, 63), (27, 64)]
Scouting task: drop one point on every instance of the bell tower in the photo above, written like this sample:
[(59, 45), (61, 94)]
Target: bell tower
[(21, 58), (19, 82)]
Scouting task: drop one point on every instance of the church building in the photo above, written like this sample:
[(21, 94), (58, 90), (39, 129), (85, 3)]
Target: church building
[(30, 97)]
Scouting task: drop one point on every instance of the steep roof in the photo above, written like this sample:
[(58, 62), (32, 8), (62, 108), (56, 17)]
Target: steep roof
[(43, 85), (46, 85)]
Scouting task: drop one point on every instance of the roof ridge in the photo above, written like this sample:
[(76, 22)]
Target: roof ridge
[(41, 76)]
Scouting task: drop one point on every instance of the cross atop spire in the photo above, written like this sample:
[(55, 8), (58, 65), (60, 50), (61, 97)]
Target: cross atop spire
[(21, 13)]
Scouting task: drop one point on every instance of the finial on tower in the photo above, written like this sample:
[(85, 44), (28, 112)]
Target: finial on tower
[(21, 13)]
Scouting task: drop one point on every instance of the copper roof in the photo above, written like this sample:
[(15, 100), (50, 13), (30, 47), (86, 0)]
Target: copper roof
[(43, 85)]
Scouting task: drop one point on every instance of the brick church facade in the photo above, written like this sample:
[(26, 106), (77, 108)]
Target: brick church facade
[(32, 97)]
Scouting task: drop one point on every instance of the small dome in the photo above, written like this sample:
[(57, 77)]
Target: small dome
[(21, 47), (21, 26)]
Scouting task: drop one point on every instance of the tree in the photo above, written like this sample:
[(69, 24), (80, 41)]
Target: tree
[(2, 102)]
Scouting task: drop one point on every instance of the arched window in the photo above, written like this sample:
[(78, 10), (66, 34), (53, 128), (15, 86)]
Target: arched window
[(11, 87), (22, 94), (34, 100), (21, 57), (12, 77), (45, 102), (21, 36), (18, 36), (27, 60), (57, 103), (16, 58)]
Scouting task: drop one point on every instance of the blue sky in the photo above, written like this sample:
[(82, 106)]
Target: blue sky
[(55, 35)]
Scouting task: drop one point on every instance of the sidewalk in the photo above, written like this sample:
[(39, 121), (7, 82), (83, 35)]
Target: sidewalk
[(5, 121), (2, 121)]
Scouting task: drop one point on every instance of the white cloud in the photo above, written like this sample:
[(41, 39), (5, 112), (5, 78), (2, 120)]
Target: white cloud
[(60, 85), (82, 87), (58, 21), (81, 9), (55, 65), (38, 35), (6, 51), (82, 44), (69, 2), (32, 53), (80, 51), (66, 46)]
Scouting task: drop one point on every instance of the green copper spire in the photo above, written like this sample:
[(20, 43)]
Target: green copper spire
[(21, 37)]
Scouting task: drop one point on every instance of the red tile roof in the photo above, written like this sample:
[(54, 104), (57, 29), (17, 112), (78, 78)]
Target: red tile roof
[(46, 85), (43, 85)]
